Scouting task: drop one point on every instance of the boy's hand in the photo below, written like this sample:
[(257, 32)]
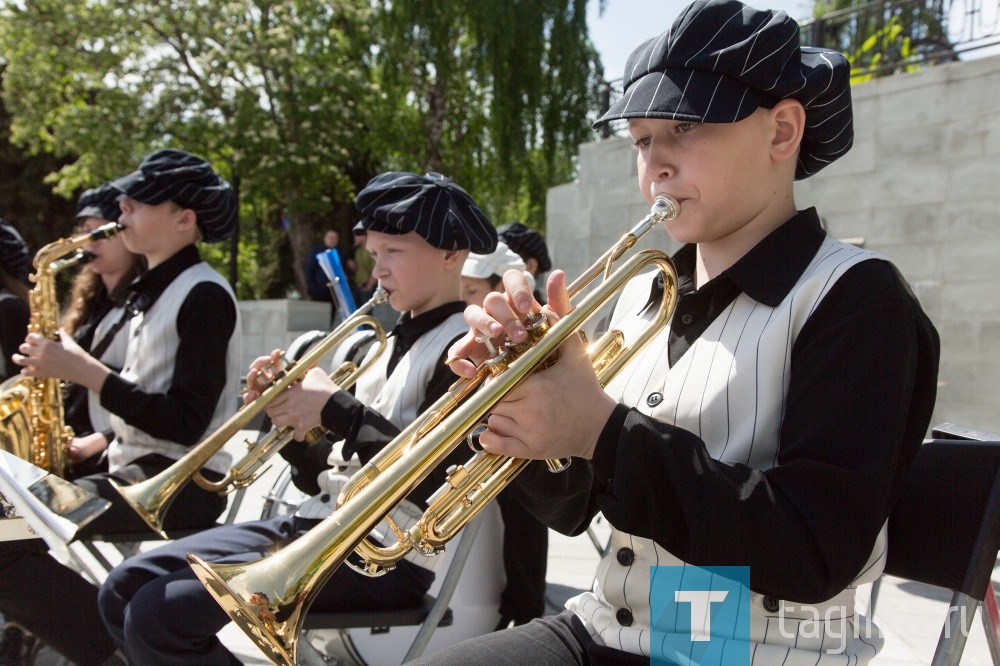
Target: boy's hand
[(261, 373), (501, 314), (558, 412), (301, 405), (64, 358)]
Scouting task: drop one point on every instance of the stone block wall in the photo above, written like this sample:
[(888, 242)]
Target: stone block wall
[(921, 186)]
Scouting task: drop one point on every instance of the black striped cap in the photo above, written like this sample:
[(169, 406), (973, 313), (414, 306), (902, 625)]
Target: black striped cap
[(100, 202), (526, 242), (14, 256), (433, 206), (721, 60), (190, 182)]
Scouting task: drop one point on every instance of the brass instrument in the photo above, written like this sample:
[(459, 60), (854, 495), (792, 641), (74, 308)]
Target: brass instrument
[(32, 422), (151, 498), (269, 598)]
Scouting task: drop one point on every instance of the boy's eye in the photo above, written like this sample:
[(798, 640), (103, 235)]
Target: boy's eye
[(684, 128), (642, 143)]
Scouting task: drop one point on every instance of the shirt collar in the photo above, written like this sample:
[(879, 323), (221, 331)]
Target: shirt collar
[(408, 327), (155, 281), (771, 268)]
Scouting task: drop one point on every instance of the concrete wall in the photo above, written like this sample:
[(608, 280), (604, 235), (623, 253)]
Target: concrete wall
[(921, 186), (273, 324)]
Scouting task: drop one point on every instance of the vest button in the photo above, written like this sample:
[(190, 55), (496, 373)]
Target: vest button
[(624, 617), (771, 604), (653, 399), (625, 557), (687, 319), (325, 498)]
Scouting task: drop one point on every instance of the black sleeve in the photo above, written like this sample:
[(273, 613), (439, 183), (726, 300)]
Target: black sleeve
[(364, 431), (862, 387), (14, 315), (306, 461), (205, 322)]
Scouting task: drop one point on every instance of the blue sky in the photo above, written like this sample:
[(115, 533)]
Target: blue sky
[(627, 23)]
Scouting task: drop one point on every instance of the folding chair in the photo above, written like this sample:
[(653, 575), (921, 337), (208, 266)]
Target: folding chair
[(944, 530)]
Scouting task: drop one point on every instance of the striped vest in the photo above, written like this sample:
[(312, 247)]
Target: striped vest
[(397, 397), (152, 350), (730, 388)]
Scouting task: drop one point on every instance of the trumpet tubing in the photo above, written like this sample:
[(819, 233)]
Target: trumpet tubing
[(152, 498), (32, 420), (268, 599)]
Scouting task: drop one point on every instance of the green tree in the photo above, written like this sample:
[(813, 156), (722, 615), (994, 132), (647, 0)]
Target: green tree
[(302, 101), (498, 95), (883, 37)]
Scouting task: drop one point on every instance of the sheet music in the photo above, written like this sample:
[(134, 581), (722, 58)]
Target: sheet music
[(13, 527), (53, 508)]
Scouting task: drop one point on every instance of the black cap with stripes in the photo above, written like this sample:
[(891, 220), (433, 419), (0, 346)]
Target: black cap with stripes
[(15, 259), (188, 181), (100, 202), (526, 242), (432, 206), (721, 60)]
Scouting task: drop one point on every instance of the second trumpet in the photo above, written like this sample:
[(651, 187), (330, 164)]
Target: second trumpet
[(151, 498)]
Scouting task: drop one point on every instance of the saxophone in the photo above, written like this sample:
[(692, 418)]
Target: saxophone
[(32, 422)]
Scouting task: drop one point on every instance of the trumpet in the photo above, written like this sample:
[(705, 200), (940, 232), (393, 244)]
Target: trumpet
[(268, 599), (151, 498)]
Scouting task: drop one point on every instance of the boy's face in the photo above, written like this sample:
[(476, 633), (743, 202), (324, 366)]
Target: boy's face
[(415, 273), (111, 258), (718, 172), (153, 230), (474, 290)]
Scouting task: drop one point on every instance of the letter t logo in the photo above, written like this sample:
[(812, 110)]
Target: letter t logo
[(700, 600)]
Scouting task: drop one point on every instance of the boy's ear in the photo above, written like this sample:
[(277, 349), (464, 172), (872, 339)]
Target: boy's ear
[(454, 258), (789, 122), (187, 220)]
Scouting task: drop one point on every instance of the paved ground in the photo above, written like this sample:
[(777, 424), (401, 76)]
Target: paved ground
[(910, 615)]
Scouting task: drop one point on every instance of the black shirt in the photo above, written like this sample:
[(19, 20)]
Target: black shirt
[(14, 316), (364, 430), (205, 323)]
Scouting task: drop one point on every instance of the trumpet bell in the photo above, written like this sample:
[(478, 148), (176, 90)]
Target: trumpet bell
[(254, 617)]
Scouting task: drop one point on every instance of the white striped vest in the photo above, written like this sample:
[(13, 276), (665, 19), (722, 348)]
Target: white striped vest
[(397, 398), (737, 415), (114, 357), (152, 350)]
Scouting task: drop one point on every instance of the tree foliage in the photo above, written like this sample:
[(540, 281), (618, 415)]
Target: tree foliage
[(302, 101)]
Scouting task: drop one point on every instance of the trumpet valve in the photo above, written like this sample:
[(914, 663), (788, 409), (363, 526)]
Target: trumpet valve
[(422, 545)]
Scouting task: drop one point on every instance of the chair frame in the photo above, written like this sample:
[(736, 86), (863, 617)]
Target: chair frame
[(932, 542)]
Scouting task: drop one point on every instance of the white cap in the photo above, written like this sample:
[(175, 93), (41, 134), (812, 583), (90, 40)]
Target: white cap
[(496, 263)]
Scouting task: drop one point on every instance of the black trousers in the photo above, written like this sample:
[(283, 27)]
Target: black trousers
[(525, 556), (554, 640), (158, 612), (57, 604)]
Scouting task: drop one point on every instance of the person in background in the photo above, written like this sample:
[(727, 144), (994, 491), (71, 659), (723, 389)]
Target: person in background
[(96, 317), (525, 539), (179, 383), (317, 281), (365, 281), (531, 247), (770, 424), (15, 267), (483, 273)]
